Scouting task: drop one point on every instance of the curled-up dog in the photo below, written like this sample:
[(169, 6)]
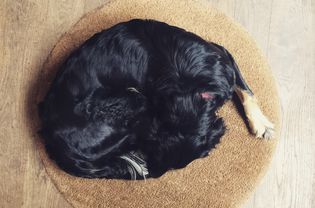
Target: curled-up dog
[(139, 99)]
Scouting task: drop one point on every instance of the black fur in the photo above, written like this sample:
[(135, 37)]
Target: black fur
[(92, 116)]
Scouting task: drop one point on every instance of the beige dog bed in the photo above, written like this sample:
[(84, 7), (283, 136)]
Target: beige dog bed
[(230, 173)]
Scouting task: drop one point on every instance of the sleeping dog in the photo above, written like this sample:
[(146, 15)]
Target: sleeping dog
[(139, 99)]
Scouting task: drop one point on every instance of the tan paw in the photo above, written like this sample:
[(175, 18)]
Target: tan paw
[(260, 126)]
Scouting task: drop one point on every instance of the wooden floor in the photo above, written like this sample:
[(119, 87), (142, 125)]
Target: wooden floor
[(285, 32)]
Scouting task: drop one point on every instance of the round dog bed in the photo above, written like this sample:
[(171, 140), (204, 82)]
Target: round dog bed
[(231, 171)]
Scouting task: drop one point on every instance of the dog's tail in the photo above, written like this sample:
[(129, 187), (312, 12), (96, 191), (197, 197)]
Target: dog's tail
[(136, 165), (128, 166), (258, 122)]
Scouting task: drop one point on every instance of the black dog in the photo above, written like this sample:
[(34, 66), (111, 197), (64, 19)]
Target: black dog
[(140, 98)]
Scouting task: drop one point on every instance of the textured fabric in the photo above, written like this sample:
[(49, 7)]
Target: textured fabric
[(224, 178)]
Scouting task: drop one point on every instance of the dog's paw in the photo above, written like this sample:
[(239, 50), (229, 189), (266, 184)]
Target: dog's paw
[(259, 124)]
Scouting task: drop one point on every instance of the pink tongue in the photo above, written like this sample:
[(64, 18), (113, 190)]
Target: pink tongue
[(206, 95)]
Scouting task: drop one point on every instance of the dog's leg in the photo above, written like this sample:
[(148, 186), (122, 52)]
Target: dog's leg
[(258, 122)]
